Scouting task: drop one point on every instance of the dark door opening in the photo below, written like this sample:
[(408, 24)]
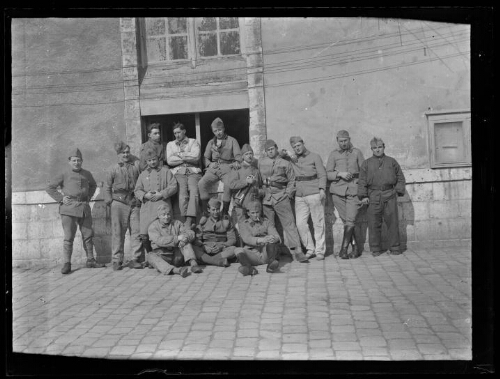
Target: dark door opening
[(198, 125)]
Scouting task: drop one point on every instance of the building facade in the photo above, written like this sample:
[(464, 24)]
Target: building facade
[(88, 83)]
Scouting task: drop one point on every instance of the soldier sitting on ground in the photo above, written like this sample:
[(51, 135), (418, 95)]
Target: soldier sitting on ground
[(261, 242), (215, 239), (171, 243)]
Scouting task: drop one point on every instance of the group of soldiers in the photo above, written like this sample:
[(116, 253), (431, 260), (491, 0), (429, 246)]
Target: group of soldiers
[(139, 192)]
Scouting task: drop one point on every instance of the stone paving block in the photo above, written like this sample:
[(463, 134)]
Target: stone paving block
[(268, 354), (460, 354), (344, 346), (99, 352), (348, 355), (122, 350), (216, 354), (431, 349), (320, 343), (344, 337), (294, 347), (243, 352), (372, 341), (406, 354), (295, 356)]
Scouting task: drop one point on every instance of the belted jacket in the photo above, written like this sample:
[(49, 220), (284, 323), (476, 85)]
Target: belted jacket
[(215, 233), (349, 160)]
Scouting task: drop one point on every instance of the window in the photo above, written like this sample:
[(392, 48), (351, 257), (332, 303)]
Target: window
[(182, 38), (449, 138)]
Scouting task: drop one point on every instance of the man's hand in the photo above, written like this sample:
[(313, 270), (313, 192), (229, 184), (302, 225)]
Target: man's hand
[(157, 196), (250, 179), (236, 165), (67, 200), (214, 165), (365, 201), (322, 195), (148, 195), (345, 175)]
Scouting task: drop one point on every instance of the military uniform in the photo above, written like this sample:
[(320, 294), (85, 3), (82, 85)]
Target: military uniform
[(218, 157), (279, 188), (258, 254), (167, 253), (310, 178), (159, 179), (381, 180), (243, 193), (125, 208), (212, 233), (344, 192), (184, 159), (79, 186), (157, 147)]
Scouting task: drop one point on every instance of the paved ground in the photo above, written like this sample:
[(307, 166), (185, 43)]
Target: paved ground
[(416, 306)]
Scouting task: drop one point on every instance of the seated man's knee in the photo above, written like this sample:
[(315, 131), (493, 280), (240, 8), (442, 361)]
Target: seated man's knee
[(178, 260)]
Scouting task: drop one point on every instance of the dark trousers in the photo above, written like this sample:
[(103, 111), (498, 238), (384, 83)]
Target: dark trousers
[(283, 210), (213, 175), (377, 213), (70, 225)]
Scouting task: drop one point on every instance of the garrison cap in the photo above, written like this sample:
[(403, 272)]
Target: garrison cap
[(164, 207), (254, 205), (376, 140), (150, 153), (120, 146), (270, 143), (343, 134), (75, 153), (214, 202), (296, 139), (217, 123), (246, 148)]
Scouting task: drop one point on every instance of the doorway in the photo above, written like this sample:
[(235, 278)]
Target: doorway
[(198, 125)]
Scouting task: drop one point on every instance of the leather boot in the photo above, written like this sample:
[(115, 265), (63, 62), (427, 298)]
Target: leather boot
[(66, 269), (92, 263), (358, 246), (346, 240), (298, 255)]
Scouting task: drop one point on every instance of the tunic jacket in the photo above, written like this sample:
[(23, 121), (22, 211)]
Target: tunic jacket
[(346, 161)]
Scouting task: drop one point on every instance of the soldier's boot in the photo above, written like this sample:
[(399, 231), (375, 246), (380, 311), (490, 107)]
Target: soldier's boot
[(91, 262), (190, 221), (146, 247), (298, 255), (357, 247), (195, 269), (246, 267), (66, 269), (346, 239)]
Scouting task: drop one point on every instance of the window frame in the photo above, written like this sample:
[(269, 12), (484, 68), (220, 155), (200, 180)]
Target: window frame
[(446, 116), (192, 42)]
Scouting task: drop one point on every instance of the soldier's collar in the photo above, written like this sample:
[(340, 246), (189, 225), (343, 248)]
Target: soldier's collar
[(183, 141), (157, 168)]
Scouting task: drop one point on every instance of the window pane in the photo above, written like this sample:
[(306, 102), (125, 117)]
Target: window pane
[(155, 26), (207, 44), (178, 48), (230, 43), (206, 24), (228, 22), (156, 49), (449, 139), (177, 25)]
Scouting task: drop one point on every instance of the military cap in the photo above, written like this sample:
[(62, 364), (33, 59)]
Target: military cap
[(376, 140), (214, 202), (343, 134), (75, 153), (246, 148), (150, 153), (120, 146), (270, 143), (295, 139), (254, 205), (217, 123), (163, 207)]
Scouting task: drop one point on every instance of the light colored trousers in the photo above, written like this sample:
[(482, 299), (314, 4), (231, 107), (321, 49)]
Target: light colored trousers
[(306, 206)]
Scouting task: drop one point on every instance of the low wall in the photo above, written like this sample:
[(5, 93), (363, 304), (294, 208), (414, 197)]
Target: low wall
[(435, 211)]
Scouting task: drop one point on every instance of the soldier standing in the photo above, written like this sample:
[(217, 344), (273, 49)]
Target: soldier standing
[(245, 183), (154, 186), (279, 188), (342, 169), (153, 143), (125, 208), (381, 180), (77, 188), (183, 156), (310, 180)]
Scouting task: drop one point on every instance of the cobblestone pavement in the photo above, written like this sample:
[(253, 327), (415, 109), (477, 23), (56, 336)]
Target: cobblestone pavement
[(415, 306)]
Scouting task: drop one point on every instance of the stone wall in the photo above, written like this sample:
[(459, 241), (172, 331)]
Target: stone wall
[(435, 211)]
